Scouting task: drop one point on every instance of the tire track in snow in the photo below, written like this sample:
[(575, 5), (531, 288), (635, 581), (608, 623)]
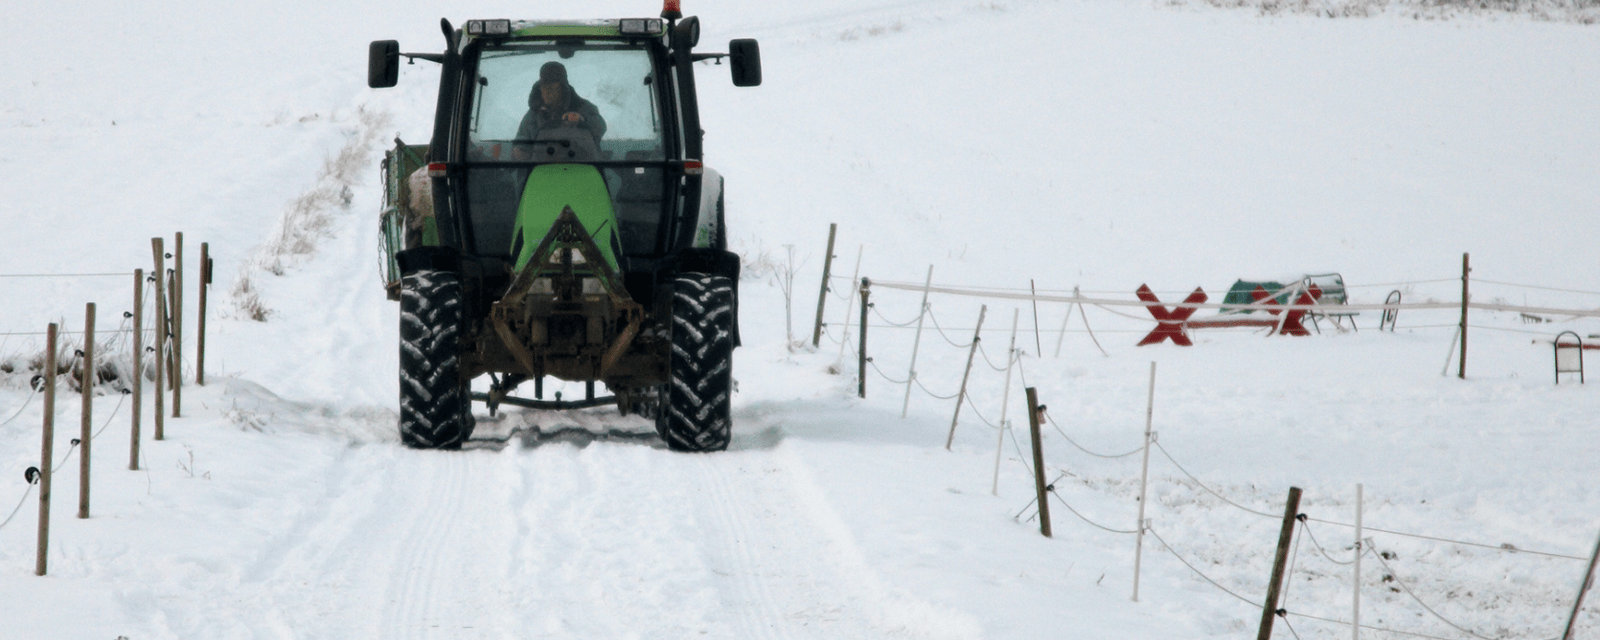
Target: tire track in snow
[(406, 544), (758, 616), (606, 549), (790, 566), (449, 582)]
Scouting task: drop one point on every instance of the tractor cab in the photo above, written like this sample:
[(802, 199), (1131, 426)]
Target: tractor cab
[(537, 115)]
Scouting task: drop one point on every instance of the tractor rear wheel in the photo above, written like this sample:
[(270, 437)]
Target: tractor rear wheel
[(697, 399), (435, 403)]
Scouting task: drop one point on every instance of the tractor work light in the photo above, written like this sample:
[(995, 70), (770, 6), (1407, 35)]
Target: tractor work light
[(489, 27), (640, 26)]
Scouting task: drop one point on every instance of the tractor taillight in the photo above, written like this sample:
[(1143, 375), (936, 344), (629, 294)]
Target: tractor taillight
[(693, 167), (437, 170)]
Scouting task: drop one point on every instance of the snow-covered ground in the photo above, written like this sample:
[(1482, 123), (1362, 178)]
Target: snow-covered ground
[(1099, 145)]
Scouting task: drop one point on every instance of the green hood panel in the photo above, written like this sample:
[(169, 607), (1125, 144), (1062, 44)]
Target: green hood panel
[(553, 187)]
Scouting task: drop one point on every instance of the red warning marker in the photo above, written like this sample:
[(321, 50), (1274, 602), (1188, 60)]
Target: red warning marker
[(1169, 324)]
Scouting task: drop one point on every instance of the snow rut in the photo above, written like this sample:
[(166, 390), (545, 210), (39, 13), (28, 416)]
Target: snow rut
[(408, 544), (449, 576), (604, 540), (790, 567)]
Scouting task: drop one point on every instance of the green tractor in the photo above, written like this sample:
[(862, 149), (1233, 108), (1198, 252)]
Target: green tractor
[(561, 223)]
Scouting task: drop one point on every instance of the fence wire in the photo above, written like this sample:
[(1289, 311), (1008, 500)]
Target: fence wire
[(1198, 572), (1402, 583), (65, 275), (1202, 485), (1097, 525), (1531, 286), (25, 402), (942, 334), (1504, 548), (986, 359), (874, 308), (1081, 448), (18, 508), (1369, 627), (883, 375), (1306, 527), (930, 392)]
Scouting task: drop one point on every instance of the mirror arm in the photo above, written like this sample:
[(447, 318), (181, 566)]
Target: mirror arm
[(697, 57), (430, 57)]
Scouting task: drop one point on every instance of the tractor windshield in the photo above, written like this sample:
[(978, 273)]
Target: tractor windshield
[(600, 99), (526, 90)]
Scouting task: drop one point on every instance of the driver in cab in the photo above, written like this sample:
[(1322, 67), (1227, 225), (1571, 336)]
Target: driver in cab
[(554, 109)]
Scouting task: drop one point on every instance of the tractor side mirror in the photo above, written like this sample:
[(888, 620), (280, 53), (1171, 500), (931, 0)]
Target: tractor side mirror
[(745, 62), (383, 64)]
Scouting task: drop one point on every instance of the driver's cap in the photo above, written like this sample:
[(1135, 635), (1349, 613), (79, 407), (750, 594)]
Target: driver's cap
[(553, 72)]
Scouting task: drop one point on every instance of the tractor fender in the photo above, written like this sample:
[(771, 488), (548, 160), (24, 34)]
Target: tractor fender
[(708, 228)]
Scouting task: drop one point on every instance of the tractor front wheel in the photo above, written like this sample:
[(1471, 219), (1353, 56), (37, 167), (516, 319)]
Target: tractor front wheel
[(697, 399), (435, 403)]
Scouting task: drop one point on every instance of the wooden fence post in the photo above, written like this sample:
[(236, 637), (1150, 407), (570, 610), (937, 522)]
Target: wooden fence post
[(86, 429), (200, 329), (961, 396), (866, 293), (1285, 535), (138, 368), (1583, 587), (822, 298), (1038, 461), (47, 453), (160, 274)]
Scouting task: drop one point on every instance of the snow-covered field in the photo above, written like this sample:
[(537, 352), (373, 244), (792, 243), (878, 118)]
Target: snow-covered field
[(1099, 145)]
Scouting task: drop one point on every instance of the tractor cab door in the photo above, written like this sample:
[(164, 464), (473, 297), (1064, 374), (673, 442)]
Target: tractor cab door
[(599, 103)]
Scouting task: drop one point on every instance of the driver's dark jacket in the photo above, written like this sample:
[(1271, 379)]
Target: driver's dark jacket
[(541, 117)]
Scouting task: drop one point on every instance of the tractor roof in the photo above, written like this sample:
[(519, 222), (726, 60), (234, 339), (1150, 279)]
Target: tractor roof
[(645, 27)]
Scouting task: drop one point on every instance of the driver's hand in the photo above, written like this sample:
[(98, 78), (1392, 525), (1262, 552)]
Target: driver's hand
[(572, 117)]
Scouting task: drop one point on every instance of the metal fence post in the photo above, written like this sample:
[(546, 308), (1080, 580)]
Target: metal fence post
[(1144, 478), (916, 344)]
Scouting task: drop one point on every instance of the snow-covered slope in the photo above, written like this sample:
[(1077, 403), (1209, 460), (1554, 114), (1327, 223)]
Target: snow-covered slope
[(1100, 145)]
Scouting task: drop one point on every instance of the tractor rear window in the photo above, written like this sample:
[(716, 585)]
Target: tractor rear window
[(607, 99)]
